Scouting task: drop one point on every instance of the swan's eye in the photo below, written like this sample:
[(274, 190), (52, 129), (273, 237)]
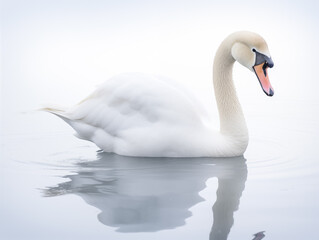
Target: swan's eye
[(254, 50)]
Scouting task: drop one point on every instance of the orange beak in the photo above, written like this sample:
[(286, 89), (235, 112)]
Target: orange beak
[(262, 75)]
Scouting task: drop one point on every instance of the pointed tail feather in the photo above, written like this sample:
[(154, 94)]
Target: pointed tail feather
[(83, 130), (58, 111)]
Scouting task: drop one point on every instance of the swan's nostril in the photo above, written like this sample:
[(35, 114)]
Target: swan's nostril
[(265, 66)]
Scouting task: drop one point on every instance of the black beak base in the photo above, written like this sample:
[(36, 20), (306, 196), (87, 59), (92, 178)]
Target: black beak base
[(261, 58)]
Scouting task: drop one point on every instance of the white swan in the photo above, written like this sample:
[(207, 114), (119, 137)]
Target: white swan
[(141, 115)]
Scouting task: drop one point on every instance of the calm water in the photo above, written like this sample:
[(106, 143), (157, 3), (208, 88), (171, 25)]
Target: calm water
[(55, 186)]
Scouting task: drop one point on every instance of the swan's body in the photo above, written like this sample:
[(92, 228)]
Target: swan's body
[(142, 115)]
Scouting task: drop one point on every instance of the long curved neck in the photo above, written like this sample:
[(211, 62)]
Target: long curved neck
[(232, 121)]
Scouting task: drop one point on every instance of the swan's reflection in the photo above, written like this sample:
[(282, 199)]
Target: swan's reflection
[(152, 194)]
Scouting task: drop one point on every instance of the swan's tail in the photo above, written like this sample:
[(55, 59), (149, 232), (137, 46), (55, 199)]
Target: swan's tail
[(83, 130), (58, 111)]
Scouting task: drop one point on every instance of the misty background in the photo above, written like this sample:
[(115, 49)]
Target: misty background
[(57, 52)]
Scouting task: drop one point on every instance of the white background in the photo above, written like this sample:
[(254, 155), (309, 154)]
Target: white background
[(57, 52)]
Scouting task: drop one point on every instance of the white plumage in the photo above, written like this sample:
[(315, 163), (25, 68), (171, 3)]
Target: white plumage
[(143, 115)]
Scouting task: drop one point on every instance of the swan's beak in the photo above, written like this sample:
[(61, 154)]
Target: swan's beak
[(262, 75)]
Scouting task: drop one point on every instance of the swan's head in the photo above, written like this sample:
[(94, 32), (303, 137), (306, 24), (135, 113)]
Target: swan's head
[(251, 50)]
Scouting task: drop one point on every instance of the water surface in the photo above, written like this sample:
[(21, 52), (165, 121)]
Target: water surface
[(55, 186)]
